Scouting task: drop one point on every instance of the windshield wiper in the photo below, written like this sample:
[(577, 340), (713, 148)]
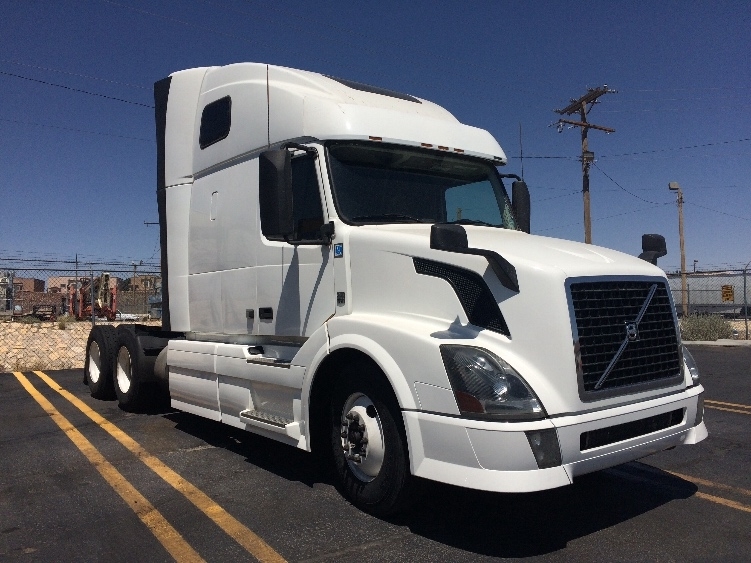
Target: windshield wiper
[(396, 217), (470, 222)]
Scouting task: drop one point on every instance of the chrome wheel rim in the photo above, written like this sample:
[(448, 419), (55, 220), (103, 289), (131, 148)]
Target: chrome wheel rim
[(123, 369), (95, 362), (362, 439)]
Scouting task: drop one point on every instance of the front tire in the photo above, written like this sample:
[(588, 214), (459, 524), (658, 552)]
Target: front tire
[(97, 369), (368, 443)]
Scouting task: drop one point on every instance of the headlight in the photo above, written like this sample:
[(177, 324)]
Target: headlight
[(693, 369), (485, 386)]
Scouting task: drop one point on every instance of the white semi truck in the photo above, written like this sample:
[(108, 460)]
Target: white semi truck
[(344, 272)]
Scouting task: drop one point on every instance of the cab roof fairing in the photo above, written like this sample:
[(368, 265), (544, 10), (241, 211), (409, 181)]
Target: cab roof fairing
[(309, 104)]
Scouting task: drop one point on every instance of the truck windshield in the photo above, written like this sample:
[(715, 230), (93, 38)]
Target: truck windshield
[(380, 183)]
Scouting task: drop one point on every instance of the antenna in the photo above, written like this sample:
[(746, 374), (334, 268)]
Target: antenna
[(521, 148)]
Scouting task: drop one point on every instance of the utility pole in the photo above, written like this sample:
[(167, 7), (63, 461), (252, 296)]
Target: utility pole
[(673, 186), (133, 285), (133, 282), (583, 106)]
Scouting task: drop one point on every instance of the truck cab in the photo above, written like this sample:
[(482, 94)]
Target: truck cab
[(345, 271)]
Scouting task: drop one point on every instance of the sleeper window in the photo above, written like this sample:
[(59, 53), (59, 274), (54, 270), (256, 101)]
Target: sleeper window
[(216, 120)]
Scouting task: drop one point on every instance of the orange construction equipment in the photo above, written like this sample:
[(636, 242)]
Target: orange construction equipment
[(104, 295)]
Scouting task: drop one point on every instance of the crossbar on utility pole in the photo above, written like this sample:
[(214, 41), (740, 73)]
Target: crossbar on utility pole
[(583, 106)]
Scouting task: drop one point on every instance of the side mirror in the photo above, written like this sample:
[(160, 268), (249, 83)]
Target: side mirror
[(520, 203), (275, 193), (653, 247)]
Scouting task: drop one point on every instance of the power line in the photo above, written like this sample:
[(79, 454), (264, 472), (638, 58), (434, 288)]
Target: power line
[(603, 218), (81, 260), (657, 110), (647, 101), (651, 151), (74, 89), (555, 157), (50, 69), (678, 148), (575, 192), (76, 130), (718, 211), (693, 88), (624, 189)]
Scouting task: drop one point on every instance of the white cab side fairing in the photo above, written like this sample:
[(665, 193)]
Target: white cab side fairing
[(185, 87), (218, 381), (178, 227), (222, 253), (178, 170)]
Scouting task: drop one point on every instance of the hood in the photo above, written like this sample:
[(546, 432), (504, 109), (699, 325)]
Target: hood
[(525, 251)]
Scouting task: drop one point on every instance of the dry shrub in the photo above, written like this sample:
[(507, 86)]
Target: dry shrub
[(705, 327)]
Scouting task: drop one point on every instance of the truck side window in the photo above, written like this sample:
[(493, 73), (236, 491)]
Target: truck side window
[(307, 211), (216, 120)]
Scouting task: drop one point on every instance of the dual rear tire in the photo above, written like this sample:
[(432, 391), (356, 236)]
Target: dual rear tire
[(128, 371), (97, 369), (115, 365)]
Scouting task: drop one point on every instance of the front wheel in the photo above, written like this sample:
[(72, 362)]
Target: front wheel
[(368, 442)]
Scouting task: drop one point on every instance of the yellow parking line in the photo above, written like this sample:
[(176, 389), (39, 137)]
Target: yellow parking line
[(695, 480), (727, 404), (726, 410), (706, 483), (168, 536), (724, 502), (252, 543)]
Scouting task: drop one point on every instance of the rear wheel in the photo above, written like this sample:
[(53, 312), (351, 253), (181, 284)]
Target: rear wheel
[(97, 370), (368, 442), (127, 373)]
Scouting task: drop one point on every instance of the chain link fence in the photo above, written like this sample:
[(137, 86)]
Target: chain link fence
[(725, 294), (47, 307)]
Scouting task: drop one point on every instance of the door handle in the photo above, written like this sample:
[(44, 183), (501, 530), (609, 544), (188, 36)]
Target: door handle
[(265, 313)]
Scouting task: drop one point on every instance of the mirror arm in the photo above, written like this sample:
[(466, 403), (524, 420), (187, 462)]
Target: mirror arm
[(299, 147), (327, 232)]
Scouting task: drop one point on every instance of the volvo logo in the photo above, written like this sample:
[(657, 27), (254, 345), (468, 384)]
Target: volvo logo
[(632, 332)]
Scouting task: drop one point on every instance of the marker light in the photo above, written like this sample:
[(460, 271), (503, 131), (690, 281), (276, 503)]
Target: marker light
[(693, 369)]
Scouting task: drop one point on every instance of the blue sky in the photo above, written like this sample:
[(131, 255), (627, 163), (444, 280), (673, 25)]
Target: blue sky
[(78, 159)]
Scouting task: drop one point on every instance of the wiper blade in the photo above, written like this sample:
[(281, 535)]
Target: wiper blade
[(396, 217), (470, 222)]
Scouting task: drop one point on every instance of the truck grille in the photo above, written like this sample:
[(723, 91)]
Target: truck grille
[(624, 336)]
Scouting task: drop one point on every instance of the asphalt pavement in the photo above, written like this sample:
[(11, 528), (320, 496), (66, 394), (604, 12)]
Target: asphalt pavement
[(82, 480)]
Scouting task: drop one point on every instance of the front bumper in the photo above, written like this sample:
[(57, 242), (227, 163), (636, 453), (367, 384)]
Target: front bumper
[(496, 456)]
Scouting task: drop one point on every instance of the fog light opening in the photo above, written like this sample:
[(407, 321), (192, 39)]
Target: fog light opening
[(699, 410), (544, 444)]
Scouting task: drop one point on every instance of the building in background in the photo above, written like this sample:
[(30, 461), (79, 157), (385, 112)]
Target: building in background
[(28, 284)]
